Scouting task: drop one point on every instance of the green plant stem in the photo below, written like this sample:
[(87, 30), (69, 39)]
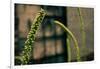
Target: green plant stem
[(73, 37), (68, 48), (82, 28)]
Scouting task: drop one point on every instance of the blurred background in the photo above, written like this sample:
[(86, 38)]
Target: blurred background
[(50, 43)]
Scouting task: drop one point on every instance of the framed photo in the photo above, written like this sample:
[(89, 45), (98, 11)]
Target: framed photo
[(51, 34)]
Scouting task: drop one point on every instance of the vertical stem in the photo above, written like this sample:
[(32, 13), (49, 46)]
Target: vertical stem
[(82, 28), (68, 48)]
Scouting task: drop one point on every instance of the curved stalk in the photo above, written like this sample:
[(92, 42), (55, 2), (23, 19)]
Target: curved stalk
[(73, 37)]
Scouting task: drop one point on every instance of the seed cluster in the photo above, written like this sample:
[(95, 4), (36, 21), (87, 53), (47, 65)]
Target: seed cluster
[(26, 53)]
